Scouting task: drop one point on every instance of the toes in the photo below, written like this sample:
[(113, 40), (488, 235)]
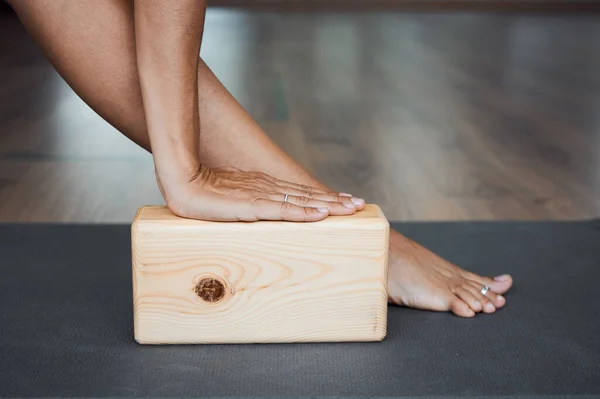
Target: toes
[(488, 306), (500, 300), (499, 284), (469, 299), (460, 308), (496, 299)]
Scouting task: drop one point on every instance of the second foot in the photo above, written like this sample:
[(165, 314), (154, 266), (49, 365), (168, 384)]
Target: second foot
[(419, 279)]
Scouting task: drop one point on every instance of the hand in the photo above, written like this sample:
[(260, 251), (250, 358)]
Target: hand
[(229, 194)]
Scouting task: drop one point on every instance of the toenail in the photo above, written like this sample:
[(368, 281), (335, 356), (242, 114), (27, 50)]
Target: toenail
[(503, 277), (349, 205), (358, 201), (499, 297)]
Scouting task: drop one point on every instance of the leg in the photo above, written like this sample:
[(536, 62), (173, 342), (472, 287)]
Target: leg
[(98, 60), (417, 277)]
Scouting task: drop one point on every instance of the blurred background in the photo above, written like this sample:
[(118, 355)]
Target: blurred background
[(435, 110)]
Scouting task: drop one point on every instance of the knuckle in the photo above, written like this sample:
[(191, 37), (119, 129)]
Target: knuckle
[(286, 207), (254, 200), (240, 193), (245, 194), (310, 193), (270, 195), (303, 201), (308, 213)]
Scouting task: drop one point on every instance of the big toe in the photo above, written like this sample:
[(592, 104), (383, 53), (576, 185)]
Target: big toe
[(498, 284)]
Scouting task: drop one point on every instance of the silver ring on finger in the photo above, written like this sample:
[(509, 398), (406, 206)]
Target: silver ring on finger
[(285, 198), (484, 290)]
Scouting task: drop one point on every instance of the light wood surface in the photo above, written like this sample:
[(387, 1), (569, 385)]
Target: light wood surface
[(209, 282), (432, 116)]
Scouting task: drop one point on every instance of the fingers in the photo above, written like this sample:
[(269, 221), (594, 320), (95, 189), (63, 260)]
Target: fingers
[(335, 208), (302, 190), (251, 196), (305, 191), (311, 192), (216, 207), (337, 205), (274, 189), (321, 196), (289, 184), (264, 209), (242, 202)]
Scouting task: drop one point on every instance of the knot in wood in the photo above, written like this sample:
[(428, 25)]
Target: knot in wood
[(210, 289)]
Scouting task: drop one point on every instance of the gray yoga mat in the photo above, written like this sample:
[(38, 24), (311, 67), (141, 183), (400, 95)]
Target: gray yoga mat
[(66, 325)]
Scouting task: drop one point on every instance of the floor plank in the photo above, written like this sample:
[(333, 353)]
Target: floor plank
[(434, 116)]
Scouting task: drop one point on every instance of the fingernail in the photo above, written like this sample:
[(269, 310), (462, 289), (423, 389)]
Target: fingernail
[(503, 277), (358, 201), (345, 195), (323, 210)]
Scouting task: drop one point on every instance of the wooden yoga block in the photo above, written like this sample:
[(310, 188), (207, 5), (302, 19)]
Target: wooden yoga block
[(198, 282)]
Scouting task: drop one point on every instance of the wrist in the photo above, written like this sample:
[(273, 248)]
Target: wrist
[(178, 187), (177, 173)]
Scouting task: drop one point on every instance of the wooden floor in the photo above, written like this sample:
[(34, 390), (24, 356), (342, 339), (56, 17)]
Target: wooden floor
[(434, 116)]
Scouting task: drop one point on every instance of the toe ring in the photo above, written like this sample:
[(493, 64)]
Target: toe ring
[(484, 290)]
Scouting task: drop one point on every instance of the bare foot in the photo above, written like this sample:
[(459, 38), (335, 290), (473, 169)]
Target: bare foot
[(419, 279)]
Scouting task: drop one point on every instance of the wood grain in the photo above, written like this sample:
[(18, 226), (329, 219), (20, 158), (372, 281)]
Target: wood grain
[(285, 282)]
